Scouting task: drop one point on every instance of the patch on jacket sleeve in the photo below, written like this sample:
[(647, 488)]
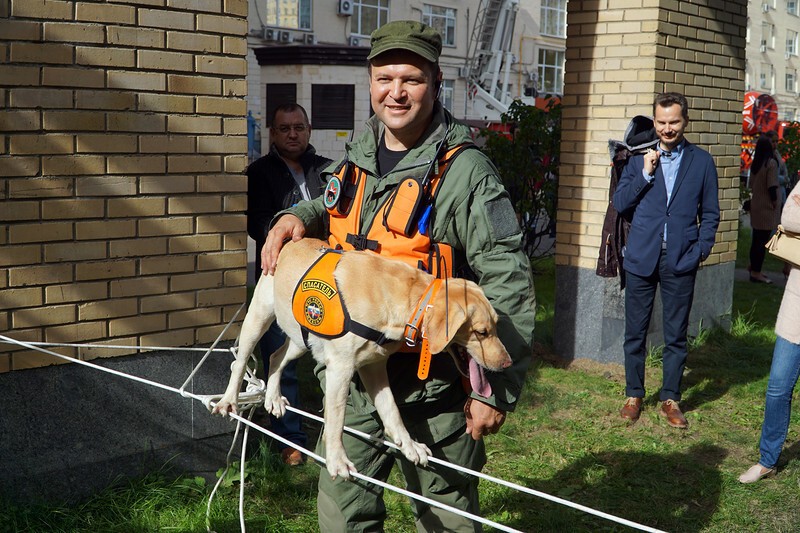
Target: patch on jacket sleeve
[(502, 218)]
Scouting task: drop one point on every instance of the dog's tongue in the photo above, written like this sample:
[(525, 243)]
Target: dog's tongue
[(478, 380)]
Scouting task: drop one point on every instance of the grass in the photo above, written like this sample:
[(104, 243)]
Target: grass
[(564, 439)]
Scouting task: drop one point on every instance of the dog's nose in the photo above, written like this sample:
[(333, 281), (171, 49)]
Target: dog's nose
[(507, 363)]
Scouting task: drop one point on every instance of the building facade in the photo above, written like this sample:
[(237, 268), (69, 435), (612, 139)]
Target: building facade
[(314, 53), (773, 53)]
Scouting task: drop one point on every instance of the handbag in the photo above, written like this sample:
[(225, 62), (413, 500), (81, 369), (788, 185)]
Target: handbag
[(785, 245)]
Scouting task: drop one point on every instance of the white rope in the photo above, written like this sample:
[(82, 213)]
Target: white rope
[(211, 348), (493, 479), (119, 346), (253, 396), (225, 473), (321, 460)]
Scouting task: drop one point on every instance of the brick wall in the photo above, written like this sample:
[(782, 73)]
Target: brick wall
[(620, 53), (122, 146)]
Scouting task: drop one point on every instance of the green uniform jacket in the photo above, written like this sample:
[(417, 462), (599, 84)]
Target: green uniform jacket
[(473, 214)]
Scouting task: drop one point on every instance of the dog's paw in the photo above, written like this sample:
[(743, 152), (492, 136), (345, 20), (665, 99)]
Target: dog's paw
[(224, 408), (339, 465), (276, 406), (416, 452)]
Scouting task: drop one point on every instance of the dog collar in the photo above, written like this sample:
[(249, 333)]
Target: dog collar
[(413, 329)]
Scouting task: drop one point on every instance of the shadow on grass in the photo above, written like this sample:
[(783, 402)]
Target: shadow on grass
[(614, 483), (727, 359)]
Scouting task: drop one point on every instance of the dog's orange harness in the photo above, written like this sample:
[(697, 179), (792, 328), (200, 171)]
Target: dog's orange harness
[(318, 307)]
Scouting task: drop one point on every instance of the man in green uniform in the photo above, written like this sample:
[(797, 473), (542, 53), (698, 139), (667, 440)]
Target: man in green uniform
[(472, 213)]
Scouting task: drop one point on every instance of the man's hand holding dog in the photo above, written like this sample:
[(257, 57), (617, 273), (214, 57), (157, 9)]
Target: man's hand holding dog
[(287, 227), (482, 419)]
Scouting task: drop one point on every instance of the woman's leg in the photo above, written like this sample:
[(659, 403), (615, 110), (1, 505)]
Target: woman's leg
[(782, 380), (757, 249)]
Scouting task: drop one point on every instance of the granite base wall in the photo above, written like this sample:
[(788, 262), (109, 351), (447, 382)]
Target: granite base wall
[(70, 430), (590, 311)]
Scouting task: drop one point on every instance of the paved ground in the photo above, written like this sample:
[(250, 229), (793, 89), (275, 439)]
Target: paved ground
[(741, 274)]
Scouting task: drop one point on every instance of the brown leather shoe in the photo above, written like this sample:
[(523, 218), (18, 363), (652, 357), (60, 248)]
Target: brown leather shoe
[(291, 457), (670, 410), (632, 409)]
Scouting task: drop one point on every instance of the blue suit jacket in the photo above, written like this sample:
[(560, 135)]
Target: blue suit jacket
[(692, 215)]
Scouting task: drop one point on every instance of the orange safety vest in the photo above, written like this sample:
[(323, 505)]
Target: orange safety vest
[(394, 231)]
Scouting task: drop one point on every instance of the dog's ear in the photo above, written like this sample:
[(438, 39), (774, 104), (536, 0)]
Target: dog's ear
[(442, 322)]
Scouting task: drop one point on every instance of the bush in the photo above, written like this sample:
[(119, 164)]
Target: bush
[(527, 157)]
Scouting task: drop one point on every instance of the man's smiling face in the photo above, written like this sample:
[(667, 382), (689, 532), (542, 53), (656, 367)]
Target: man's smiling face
[(670, 125), (401, 88)]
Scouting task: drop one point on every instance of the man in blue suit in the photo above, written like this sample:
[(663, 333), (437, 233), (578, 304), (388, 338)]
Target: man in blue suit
[(670, 195)]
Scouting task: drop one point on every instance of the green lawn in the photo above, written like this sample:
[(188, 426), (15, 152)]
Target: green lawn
[(564, 439)]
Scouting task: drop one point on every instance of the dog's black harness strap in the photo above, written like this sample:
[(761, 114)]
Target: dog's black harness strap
[(351, 326), (368, 333)]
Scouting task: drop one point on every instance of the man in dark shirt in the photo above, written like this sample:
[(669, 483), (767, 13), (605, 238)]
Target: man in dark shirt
[(290, 172)]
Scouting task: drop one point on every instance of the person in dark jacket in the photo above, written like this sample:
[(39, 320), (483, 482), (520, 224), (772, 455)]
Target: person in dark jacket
[(671, 195), (290, 172)]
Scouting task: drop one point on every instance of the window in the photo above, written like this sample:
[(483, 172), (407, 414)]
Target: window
[(446, 94), (791, 7), (554, 18), (766, 77), (443, 19), (551, 71), (789, 114), (368, 16), (332, 106), (768, 35), (279, 94), (791, 81), (791, 42), (295, 14)]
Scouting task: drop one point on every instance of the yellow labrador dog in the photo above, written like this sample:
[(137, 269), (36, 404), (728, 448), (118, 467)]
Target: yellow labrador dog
[(382, 295)]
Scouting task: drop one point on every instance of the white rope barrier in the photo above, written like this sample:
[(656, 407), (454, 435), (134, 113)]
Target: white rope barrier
[(254, 396), (211, 348), (493, 479), (247, 422), (118, 346), (321, 460)]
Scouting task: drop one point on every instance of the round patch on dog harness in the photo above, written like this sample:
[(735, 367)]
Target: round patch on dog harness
[(332, 192), (314, 310)]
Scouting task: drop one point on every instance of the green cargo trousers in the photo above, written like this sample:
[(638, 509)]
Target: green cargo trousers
[(357, 506)]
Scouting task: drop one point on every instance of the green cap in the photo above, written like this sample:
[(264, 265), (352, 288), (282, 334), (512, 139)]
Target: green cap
[(407, 35)]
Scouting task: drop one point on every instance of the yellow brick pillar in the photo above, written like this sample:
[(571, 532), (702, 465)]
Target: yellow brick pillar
[(620, 54)]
